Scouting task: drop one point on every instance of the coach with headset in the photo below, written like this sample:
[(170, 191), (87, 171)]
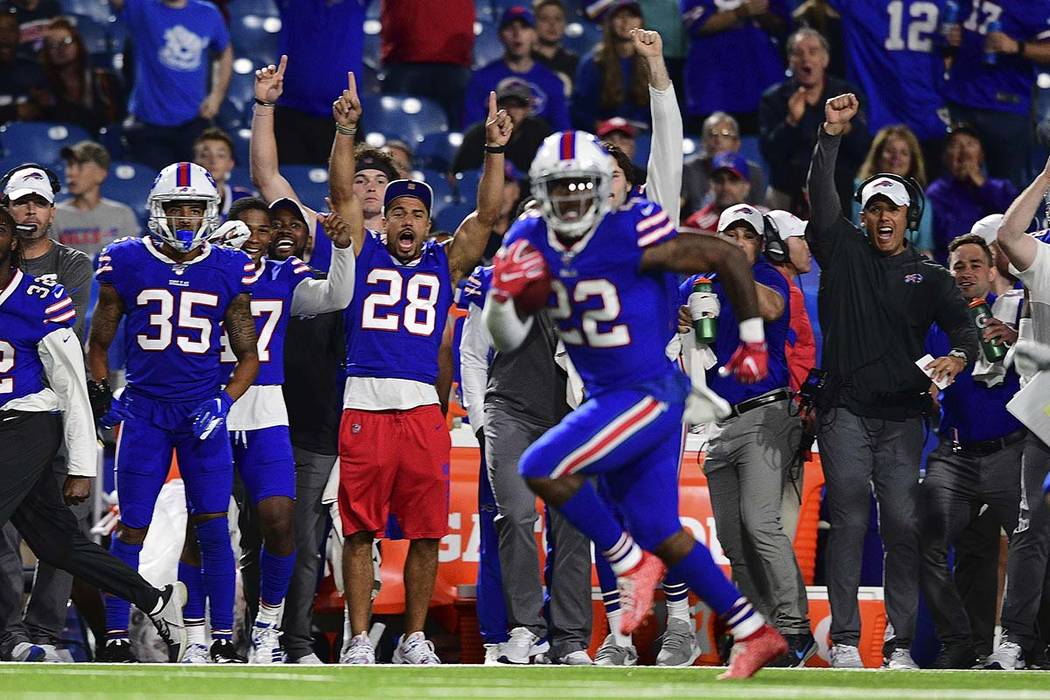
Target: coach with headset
[(749, 454), (878, 298)]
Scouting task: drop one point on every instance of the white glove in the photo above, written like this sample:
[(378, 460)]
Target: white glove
[(232, 234)]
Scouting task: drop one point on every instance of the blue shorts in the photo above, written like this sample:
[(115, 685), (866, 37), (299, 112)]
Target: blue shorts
[(143, 460), (632, 441), (264, 460)]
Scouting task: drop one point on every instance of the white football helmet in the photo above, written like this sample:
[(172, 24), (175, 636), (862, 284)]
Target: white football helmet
[(576, 160), (182, 182)]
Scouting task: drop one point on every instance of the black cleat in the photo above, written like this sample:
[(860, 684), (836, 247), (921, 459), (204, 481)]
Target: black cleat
[(959, 655), (224, 651), (117, 651)]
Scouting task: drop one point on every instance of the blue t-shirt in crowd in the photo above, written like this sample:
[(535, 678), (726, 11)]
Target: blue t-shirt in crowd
[(970, 410), (548, 93), (172, 58), (1007, 85), (323, 39), (728, 337), (729, 70), (586, 105), (902, 40)]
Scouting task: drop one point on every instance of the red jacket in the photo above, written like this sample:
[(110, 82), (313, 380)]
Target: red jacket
[(801, 354)]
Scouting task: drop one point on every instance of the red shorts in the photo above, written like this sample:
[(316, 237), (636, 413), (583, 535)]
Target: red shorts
[(394, 461)]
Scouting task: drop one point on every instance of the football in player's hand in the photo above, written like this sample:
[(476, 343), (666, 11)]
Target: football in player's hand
[(535, 294)]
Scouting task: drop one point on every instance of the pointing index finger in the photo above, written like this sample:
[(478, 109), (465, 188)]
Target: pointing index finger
[(351, 83), (282, 66), (492, 105)]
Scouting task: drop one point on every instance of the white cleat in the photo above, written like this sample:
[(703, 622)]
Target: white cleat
[(415, 649), (522, 647), (1008, 656), (359, 651), (845, 656), (492, 654), (266, 645), (196, 654), (168, 620)]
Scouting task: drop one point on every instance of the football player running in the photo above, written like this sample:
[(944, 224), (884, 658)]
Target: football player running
[(393, 444), (609, 273), (176, 292)]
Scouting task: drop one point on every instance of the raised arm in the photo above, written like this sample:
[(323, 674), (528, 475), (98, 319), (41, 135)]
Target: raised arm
[(346, 111), (240, 328), (1018, 246), (825, 206), (472, 236), (664, 171), (269, 84), (334, 292)]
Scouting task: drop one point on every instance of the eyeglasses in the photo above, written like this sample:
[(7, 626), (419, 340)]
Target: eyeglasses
[(726, 134), (59, 44)]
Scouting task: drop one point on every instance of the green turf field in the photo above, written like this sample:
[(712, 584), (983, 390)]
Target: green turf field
[(69, 682)]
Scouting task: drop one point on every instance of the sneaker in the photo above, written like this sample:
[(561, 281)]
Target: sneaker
[(678, 646), (308, 660), (636, 591), (26, 652), (415, 649), (168, 620), (580, 657), (492, 652), (845, 656), (801, 648), (196, 654), (266, 644), (117, 651), (359, 651), (1009, 656), (51, 654), (753, 652), (610, 654), (1037, 660), (955, 656), (900, 660), (224, 651), (522, 647)]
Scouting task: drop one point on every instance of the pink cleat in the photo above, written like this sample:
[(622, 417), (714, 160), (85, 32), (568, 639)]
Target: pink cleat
[(636, 591), (752, 653)]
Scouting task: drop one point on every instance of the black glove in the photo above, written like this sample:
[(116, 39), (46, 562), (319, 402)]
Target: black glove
[(101, 398)]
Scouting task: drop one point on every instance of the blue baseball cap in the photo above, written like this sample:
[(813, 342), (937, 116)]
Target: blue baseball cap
[(517, 13), (409, 188), (734, 162)]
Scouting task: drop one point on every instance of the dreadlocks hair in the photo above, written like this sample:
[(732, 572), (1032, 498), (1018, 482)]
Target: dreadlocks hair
[(9, 221)]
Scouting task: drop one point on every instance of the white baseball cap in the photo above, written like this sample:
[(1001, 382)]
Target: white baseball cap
[(29, 181), (888, 187), (741, 212), (988, 227), (787, 224)]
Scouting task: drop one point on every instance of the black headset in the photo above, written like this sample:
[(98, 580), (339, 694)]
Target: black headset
[(773, 246), (56, 185), (916, 205)]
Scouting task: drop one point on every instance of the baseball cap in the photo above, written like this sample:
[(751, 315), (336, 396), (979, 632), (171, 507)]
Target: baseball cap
[(514, 89), (87, 152), (516, 13), (988, 227), (727, 160), (616, 124), (741, 212), (787, 224), (29, 181), (890, 188), (291, 204), (409, 188)]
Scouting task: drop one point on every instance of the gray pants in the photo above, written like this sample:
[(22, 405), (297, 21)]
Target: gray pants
[(746, 468), (956, 486), (506, 437), (311, 475), (1026, 567), (856, 452), (44, 616)]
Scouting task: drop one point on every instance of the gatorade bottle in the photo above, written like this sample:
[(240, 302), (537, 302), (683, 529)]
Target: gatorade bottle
[(991, 57), (981, 314), (703, 307)]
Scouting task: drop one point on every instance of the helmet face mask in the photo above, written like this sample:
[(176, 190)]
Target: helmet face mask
[(572, 181), (183, 183)]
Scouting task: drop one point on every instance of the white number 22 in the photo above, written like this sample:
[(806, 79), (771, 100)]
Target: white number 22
[(609, 311)]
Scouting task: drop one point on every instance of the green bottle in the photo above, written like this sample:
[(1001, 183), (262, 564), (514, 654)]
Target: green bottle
[(981, 314), (705, 321)]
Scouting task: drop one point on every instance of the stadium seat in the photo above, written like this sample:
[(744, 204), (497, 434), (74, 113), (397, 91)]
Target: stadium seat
[(241, 145), (404, 117), (95, 34), (96, 9), (437, 151), (130, 183), (443, 193), (255, 37), (467, 186), (450, 217), (242, 83), (38, 142), (112, 137), (310, 184), (486, 43), (241, 174), (264, 8), (581, 36)]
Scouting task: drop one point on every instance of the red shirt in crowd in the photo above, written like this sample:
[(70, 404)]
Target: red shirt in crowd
[(424, 31), (802, 354)]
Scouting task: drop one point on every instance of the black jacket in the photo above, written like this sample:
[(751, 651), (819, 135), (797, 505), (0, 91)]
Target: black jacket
[(876, 310)]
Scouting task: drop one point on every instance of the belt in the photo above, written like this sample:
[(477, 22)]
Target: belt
[(759, 401), (983, 448)]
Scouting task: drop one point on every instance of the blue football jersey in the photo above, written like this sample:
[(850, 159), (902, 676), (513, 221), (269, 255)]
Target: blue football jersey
[(397, 317), (30, 309), (894, 51), (614, 319), (271, 307), (474, 289), (174, 314), (1007, 85)]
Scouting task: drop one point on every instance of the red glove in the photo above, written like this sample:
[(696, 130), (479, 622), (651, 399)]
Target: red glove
[(750, 363), (515, 268)]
